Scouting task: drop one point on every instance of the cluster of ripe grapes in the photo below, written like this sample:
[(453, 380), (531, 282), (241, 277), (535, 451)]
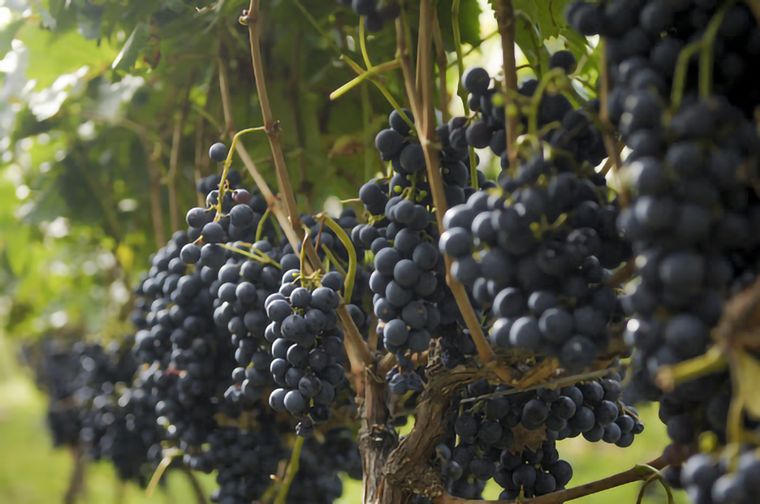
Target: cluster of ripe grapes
[(694, 212), (218, 343), (510, 436), (239, 342), (96, 405)]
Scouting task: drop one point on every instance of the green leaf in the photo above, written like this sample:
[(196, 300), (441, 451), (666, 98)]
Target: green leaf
[(134, 45), (548, 16), (8, 34), (71, 51), (469, 22)]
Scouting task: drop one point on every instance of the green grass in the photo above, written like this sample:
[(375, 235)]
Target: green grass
[(32, 472)]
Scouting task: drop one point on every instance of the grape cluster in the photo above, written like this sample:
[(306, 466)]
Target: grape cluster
[(178, 340), (510, 436), (57, 373), (376, 12), (242, 287), (537, 259), (645, 39), (720, 481), (559, 123), (307, 347), (693, 213), (96, 406), (410, 297), (214, 345), (322, 461), (244, 460)]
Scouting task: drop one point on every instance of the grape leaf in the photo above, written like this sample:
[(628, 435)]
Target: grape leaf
[(469, 22), (548, 16), (134, 45)]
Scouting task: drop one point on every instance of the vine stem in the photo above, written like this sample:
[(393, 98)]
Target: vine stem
[(364, 75), (275, 207), (76, 480), (441, 62), (224, 91), (171, 176), (505, 17), (535, 101), (154, 175), (200, 496), (380, 87), (707, 54), (348, 287), (610, 144), (356, 348), (227, 165), (680, 71), (655, 475), (169, 456), (713, 361), (363, 43), (636, 473), (425, 124), (258, 257), (461, 91), (251, 18), (290, 474)]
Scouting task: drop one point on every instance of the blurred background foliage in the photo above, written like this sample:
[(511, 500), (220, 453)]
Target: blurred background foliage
[(107, 108)]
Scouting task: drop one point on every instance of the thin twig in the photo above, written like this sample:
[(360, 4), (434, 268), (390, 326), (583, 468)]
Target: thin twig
[(198, 492), (201, 159), (356, 348), (293, 465), (610, 143), (154, 178), (252, 19), (274, 204), (224, 91), (505, 16), (441, 62), (76, 481), (637, 473), (171, 177), (425, 124)]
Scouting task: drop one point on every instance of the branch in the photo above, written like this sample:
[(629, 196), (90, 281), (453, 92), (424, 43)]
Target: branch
[(154, 177), (252, 18), (355, 347), (201, 158), (425, 124), (274, 204), (505, 16), (224, 91), (376, 439), (610, 143), (636, 473), (622, 275), (171, 178), (76, 481), (407, 467), (293, 465), (200, 495), (442, 64)]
